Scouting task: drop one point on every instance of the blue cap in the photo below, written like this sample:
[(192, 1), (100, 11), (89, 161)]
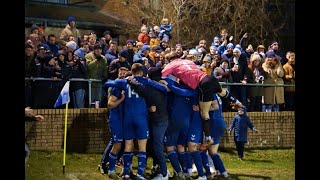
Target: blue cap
[(270, 54), (71, 18), (145, 47)]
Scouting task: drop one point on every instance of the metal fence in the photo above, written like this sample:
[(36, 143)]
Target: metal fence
[(48, 89)]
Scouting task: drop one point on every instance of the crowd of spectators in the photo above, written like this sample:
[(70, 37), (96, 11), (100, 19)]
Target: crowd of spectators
[(88, 56)]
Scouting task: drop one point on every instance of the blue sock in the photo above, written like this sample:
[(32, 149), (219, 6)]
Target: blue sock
[(112, 161), (205, 162), (198, 162), (105, 156), (127, 161), (189, 161), (173, 157), (218, 164), (183, 158), (142, 159)]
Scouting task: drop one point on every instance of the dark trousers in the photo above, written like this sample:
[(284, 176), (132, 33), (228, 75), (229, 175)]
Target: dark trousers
[(158, 131), (240, 148), (289, 98), (255, 104)]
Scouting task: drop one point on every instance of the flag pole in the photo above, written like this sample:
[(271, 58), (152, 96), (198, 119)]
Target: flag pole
[(65, 138)]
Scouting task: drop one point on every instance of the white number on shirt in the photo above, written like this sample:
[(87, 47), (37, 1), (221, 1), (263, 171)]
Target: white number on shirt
[(131, 92)]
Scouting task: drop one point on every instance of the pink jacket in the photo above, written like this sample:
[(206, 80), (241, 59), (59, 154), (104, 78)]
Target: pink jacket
[(187, 71)]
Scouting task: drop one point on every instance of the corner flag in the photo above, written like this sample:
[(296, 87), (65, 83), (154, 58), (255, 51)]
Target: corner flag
[(64, 96)]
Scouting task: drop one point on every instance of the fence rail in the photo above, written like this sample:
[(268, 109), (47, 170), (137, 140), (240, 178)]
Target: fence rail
[(90, 81)]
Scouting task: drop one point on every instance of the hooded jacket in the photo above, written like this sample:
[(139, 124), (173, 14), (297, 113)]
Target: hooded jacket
[(240, 123)]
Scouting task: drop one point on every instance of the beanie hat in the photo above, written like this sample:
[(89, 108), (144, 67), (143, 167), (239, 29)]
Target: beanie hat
[(79, 52), (270, 54), (106, 32), (154, 73), (230, 45), (130, 41), (193, 52), (43, 46), (237, 49), (124, 53), (33, 27), (72, 45), (206, 59), (165, 39), (145, 48), (238, 46), (216, 38), (70, 18)]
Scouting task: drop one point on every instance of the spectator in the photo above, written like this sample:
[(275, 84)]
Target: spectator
[(130, 51), (144, 59), (71, 46), (206, 66), (261, 52), (63, 71), (289, 78), (255, 75), (112, 52), (201, 48), (30, 116), (279, 54), (240, 123), (52, 44), (97, 69), (239, 70), (154, 39), (31, 71), (70, 30), (116, 64), (92, 41), (165, 29), (164, 44), (105, 41), (273, 95), (79, 70), (143, 36)]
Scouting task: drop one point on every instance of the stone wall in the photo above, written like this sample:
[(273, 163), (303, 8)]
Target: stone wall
[(88, 130)]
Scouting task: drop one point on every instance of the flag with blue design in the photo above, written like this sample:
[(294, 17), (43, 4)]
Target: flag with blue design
[(64, 96)]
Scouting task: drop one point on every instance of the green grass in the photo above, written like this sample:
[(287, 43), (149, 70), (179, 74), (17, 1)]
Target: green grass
[(257, 164)]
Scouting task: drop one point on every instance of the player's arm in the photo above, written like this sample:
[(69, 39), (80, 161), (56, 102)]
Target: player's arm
[(227, 95), (113, 101), (174, 87), (156, 85), (214, 105), (118, 83)]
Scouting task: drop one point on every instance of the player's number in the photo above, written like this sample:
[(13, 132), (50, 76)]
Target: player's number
[(219, 99), (187, 65), (131, 92)]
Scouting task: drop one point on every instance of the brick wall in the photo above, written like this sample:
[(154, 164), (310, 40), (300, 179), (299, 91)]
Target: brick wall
[(88, 130)]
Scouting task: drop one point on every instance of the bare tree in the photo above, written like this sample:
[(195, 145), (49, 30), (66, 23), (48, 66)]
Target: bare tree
[(194, 20)]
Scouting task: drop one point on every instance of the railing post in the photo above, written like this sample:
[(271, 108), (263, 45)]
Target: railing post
[(89, 83)]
